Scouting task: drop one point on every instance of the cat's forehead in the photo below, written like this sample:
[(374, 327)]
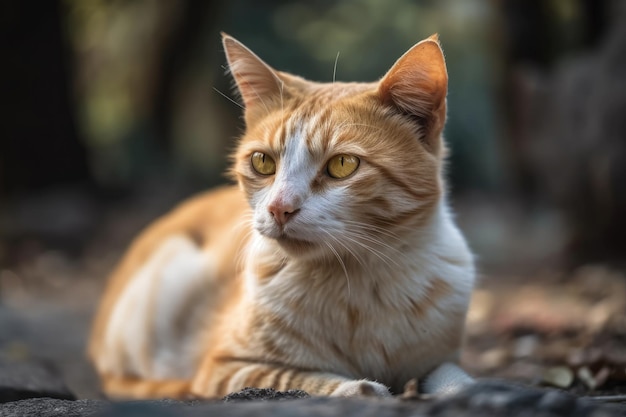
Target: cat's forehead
[(314, 92), (328, 119), (323, 128), (324, 109)]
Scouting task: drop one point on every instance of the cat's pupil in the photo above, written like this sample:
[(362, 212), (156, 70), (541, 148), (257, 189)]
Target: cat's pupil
[(342, 161), (263, 158)]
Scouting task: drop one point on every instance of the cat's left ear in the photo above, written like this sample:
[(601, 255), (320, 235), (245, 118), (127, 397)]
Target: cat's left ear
[(417, 85), (257, 82)]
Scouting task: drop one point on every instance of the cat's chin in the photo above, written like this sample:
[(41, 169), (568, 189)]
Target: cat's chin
[(294, 246)]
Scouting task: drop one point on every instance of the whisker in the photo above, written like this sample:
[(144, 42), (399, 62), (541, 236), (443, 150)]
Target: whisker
[(335, 67), (343, 266), (382, 256), (267, 110), (242, 251), (282, 105), (228, 98), (381, 230), (391, 223), (360, 235), (346, 247), (343, 245)]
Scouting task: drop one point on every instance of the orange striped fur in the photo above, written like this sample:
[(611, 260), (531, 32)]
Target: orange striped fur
[(301, 278)]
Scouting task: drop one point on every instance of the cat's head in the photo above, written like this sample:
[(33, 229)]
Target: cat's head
[(342, 167)]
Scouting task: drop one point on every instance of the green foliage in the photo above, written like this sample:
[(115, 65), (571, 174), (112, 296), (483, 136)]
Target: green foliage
[(119, 46)]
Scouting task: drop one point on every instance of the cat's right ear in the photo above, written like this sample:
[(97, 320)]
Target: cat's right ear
[(258, 83), (417, 85)]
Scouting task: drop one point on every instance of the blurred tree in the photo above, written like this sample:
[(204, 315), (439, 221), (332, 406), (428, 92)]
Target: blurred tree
[(176, 54), (569, 126), (39, 143), (538, 34)]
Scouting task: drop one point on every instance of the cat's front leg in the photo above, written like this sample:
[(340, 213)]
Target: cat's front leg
[(232, 374), (448, 378)]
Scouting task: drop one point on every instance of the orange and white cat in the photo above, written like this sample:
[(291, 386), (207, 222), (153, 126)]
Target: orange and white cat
[(334, 267)]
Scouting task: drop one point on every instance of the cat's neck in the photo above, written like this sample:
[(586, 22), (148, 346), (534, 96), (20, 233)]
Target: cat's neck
[(434, 256)]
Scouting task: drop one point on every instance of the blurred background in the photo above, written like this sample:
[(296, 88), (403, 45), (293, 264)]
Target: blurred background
[(111, 112)]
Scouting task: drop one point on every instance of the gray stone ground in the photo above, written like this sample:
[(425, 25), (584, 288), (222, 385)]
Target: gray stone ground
[(43, 370), (487, 398), (51, 339)]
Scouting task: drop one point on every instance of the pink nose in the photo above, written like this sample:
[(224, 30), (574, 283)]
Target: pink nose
[(282, 212)]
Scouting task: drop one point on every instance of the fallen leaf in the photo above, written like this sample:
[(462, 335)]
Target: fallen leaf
[(584, 374), (558, 376)]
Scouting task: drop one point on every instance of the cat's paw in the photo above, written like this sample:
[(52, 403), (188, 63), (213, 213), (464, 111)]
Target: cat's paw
[(361, 388)]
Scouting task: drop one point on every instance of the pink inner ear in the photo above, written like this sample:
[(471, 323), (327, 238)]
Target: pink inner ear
[(255, 79), (250, 92), (418, 81)]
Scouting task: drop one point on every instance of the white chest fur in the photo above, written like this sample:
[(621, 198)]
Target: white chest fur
[(389, 321)]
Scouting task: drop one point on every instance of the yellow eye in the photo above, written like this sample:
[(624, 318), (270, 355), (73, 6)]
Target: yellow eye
[(263, 164), (340, 166)]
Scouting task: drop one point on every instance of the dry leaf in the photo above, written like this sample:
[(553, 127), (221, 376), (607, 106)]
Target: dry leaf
[(584, 374), (558, 376)]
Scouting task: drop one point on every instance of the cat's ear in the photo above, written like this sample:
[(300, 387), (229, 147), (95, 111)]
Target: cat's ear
[(417, 85), (258, 83)]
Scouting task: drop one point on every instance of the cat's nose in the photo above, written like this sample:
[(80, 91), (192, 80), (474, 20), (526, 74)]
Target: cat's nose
[(282, 212)]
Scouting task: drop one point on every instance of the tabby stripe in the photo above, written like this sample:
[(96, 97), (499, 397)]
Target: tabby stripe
[(343, 357), (315, 384), (438, 289), (402, 219), (398, 182), (409, 215), (282, 137), (288, 131), (270, 347), (289, 375), (386, 356), (330, 387), (315, 130), (255, 376), (376, 293), (452, 261), (382, 203), (298, 380), (317, 185), (284, 327), (220, 359), (269, 270), (222, 386), (417, 309), (354, 316), (239, 340), (275, 382)]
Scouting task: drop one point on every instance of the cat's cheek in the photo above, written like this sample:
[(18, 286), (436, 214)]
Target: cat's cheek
[(265, 225)]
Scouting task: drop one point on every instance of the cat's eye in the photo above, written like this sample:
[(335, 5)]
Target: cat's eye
[(341, 166), (263, 163)]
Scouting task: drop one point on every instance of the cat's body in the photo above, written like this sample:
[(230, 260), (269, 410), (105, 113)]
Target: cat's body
[(335, 263)]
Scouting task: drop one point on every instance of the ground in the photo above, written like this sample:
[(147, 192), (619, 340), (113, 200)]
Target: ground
[(542, 326)]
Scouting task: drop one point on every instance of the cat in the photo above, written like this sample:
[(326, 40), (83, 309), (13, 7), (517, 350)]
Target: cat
[(334, 266)]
